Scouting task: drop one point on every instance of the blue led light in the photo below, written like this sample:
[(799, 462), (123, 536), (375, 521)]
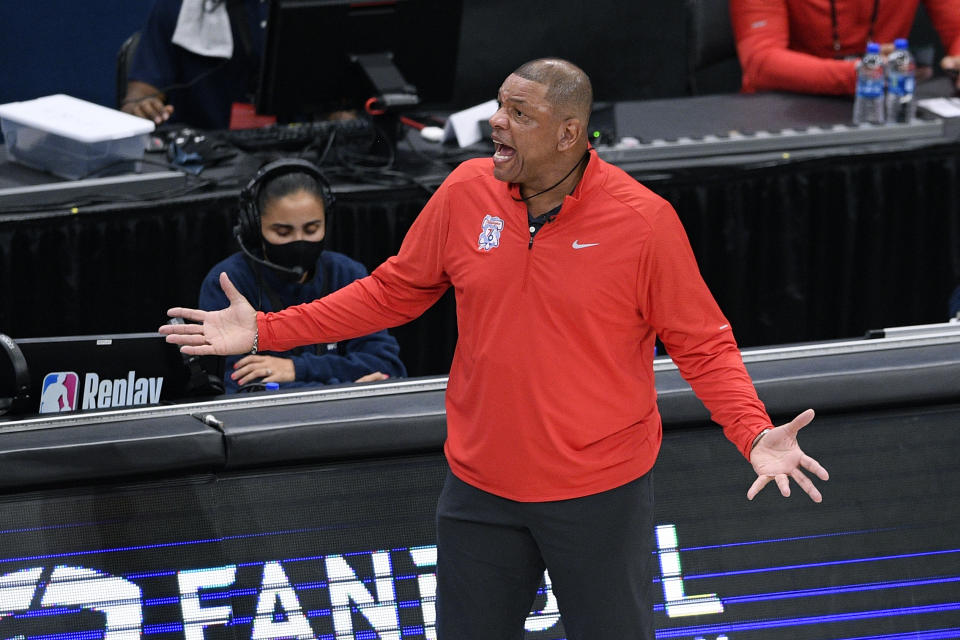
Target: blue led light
[(754, 625), (830, 563)]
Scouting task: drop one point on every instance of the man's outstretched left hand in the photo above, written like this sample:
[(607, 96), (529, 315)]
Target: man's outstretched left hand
[(778, 457)]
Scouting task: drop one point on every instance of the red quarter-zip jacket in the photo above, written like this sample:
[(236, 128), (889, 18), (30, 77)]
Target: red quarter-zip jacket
[(788, 44), (551, 391)]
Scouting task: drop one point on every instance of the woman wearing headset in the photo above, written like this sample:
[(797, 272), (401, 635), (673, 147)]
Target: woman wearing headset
[(281, 231)]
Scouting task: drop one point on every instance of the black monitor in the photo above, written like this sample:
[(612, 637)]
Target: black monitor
[(75, 373), (328, 55)]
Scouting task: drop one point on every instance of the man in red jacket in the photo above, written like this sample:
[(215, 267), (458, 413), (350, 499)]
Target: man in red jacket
[(565, 271), (811, 46)]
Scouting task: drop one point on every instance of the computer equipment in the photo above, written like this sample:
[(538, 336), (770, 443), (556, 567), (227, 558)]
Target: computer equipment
[(327, 55), (77, 373), (726, 125), (354, 132)]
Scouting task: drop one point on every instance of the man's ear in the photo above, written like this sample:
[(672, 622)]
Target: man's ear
[(571, 131)]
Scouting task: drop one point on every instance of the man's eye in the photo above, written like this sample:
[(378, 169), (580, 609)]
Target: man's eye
[(518, 113)]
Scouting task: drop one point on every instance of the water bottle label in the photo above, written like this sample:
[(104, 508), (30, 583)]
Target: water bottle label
[(901, 84), (870, 88)]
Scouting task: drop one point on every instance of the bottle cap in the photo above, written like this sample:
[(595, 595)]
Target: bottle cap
[(873, 47), (272, 386), (900, 43)]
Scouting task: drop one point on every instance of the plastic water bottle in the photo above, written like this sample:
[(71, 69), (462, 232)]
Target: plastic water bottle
[(901, 80), (868, 103)]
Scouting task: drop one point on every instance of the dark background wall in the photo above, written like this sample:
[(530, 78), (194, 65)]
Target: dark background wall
[(64, 46), (630, 49)]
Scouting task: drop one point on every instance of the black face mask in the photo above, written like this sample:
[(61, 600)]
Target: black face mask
[(300, 253)]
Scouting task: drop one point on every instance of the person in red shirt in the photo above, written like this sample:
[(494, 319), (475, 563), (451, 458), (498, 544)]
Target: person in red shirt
[(565, 271), (812, 46)]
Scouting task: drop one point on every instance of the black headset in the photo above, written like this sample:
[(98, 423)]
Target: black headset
[(247, 229), (20, 399)]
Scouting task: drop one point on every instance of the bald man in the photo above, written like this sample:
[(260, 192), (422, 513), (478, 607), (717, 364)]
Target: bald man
[(565, 271)]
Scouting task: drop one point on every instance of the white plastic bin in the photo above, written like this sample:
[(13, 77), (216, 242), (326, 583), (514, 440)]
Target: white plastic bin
[(69, 137)]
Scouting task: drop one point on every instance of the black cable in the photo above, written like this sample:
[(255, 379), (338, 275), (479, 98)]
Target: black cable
[(177, 86), (432, 160), (356, 167), (381, 177), (375, 162), (585, 156), (326, 149), (364, 168)]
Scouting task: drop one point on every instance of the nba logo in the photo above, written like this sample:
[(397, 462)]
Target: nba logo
[(58, 392)]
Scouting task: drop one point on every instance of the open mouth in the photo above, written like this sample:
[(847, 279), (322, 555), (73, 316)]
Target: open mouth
[(502, 152)]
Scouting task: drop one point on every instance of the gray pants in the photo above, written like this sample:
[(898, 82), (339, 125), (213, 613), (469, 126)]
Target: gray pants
[(492, 552)]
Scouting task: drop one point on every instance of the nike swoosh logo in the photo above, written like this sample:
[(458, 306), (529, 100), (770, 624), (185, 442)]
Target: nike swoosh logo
[(577, 245)]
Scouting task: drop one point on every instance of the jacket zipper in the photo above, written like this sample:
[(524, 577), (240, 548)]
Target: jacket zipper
[(526, 268)]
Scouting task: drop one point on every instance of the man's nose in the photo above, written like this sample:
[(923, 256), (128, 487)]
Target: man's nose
[(498, 119)]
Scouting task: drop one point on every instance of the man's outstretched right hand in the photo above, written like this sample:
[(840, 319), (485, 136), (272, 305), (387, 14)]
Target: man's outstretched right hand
[(230, 331)]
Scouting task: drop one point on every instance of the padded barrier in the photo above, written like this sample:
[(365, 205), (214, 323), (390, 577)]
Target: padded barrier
[(44, 453), (404, 417)]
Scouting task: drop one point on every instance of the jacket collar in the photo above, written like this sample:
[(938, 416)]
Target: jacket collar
[(591, 175)]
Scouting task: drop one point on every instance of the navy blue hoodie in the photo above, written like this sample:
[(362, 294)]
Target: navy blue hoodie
[(316, 364)]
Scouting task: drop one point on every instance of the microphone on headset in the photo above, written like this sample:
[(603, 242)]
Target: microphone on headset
[(293, 272)]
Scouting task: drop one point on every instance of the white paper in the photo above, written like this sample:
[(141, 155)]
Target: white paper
[(943, 107), (75, 119), (465, 125)]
